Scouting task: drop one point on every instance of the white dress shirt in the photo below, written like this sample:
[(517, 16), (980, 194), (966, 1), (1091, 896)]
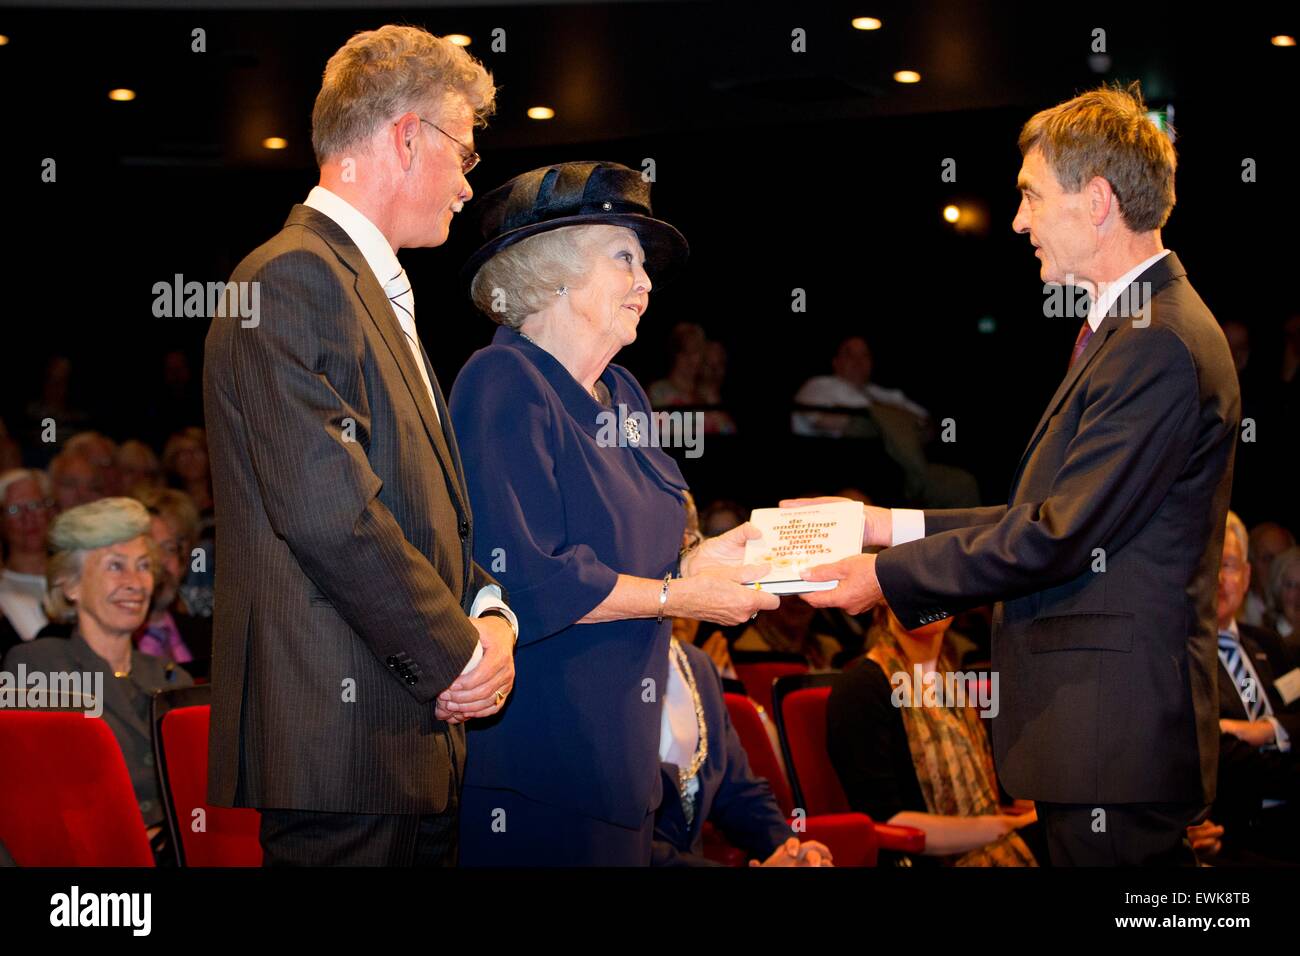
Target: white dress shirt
[(909, 523), (381, 259), (22, 602)]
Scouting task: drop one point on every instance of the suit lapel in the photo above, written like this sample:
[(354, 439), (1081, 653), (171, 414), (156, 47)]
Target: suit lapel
[(1156, 277), (381, 314)]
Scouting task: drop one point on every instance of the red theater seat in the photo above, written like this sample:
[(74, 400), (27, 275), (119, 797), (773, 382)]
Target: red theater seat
[(65, 794), (757, 670), (227, 837), (799, 707)]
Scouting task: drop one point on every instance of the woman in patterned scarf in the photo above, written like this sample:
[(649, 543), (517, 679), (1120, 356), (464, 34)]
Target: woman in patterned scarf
[(915, 757)]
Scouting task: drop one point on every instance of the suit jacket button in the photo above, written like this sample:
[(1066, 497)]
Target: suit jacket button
[(390, 660), (412, 679), (464, 529)]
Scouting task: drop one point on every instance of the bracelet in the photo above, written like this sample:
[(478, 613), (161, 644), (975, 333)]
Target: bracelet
[(663, 597)]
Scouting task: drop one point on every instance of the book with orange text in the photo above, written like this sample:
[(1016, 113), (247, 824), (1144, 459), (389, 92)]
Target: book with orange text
[(795, 539)]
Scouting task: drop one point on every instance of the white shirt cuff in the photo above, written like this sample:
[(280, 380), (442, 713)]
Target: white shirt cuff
[(909, 525), (1280, 737), (489, 598)]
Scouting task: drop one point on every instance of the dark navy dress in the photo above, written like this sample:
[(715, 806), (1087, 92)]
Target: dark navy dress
[(568, 772)]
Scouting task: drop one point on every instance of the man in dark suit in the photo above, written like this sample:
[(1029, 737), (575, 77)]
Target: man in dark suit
[(1105, 557), (354, 634), (1258, 798), (717, 785)]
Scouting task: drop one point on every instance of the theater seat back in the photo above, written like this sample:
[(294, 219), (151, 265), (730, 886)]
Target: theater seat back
[(763, 760), (66, 797), (218, 836), (801, 721)]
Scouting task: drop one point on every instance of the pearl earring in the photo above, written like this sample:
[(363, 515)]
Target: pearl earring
[(562, 290)]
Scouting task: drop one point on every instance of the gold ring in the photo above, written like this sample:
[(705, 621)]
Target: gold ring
[(500, 697)]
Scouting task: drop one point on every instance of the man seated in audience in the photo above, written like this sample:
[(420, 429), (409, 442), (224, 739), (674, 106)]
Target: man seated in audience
[(1268, 539), (76, 480), (909, 761), (903, 426), (26, 507), (706, 776), (172, 632), (101, 574), (1259, 776)]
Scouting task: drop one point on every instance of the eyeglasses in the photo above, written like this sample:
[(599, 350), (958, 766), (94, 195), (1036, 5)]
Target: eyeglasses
[(30, 507), (468, 158)]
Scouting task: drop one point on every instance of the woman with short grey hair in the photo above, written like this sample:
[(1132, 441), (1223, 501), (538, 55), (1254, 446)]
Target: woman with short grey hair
[(101, 573), (1284, 597), (579, 514)]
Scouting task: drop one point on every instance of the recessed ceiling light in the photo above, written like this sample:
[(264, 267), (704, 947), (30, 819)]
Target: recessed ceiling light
[(951, 213), (866, 23), (541, 113), (275, 142), (459, 39), (1283, 40), (4, 40), (121, 95), (907, 76)]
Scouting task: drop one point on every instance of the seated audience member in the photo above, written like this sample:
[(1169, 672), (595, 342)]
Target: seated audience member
[(1284, 599), (100, 451), (1258, 795), (25, 511), (1268, 539), (699, 367), (706, 776), (185, 462), (138, 467), (171, 632), (902, 425), (75, 479), (793, 628), (678, 387), (929, 767), (101, 573)]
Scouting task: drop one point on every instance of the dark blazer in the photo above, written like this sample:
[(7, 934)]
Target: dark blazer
[(736, 802), (346, 575), (1108, 678), (126, 702), (563, 510)]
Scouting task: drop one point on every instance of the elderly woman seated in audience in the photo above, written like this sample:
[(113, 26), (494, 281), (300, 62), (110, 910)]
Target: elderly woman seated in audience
[(101, 574), (926, 763), (26, 507)]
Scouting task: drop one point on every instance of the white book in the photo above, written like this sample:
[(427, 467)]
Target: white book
[(795, 539)]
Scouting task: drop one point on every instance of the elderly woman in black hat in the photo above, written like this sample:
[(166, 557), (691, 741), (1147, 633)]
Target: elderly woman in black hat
[(580, 517)]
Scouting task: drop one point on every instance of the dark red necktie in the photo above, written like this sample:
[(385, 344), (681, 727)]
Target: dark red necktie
[(1081, 343)]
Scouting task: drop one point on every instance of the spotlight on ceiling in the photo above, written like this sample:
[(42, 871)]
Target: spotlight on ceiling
[(866, 23), (275, 142), (458, 39), (121, 95), (541, 113), (907, 76)]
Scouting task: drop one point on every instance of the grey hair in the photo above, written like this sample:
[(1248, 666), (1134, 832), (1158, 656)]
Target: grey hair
[(98, 524), (521, 280), (15, 475), (380, 74), (1237, 528), (1281, 565)]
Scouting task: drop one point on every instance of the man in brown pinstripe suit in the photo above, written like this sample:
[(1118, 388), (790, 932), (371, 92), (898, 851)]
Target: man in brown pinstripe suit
[(353, 632)]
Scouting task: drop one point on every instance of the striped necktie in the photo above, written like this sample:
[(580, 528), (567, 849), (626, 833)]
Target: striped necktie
[(1243, 676), (399, 292)]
